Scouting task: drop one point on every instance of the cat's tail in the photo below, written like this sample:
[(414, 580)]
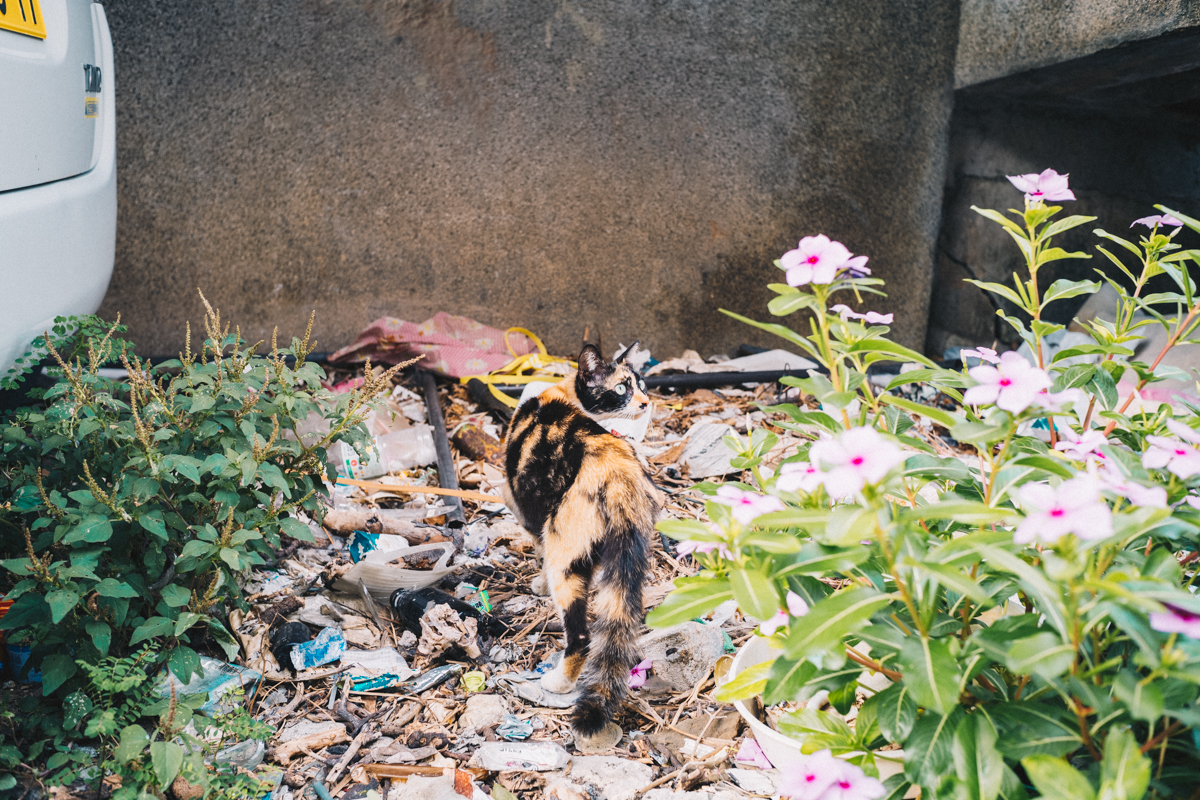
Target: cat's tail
[(613, 651)]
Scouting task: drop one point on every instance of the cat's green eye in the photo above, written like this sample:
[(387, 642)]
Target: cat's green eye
[(642, 385), (620, 389)]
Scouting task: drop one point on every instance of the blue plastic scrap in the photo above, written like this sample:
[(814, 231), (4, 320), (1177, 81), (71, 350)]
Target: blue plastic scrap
[(513, 727), (327, 647), (360, 544)]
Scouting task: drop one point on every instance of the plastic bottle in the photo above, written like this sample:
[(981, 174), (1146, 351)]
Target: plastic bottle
[(394, 452)]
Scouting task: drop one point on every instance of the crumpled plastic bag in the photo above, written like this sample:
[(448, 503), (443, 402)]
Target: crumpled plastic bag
[(441, 627)]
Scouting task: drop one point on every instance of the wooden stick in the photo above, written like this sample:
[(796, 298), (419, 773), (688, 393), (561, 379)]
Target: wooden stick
[(478, 497), (369, 730)]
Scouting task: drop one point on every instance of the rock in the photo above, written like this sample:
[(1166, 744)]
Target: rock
[(684, 748), (754, 781), (484, 711), (306, 728), (601, 776), (684, 654)]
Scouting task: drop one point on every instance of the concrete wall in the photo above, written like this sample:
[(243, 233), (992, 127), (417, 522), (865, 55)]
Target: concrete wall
[(1004, 37), (628, 165)]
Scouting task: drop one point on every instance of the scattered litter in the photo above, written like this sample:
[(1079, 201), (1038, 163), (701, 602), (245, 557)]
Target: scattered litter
[(603, 776), (433, 678), (222, 683), (484, 711), (474, 681), (705, 453), (753, 781), (245, 755), (382, 576), (524, 756), (327, 647), (514, 728)]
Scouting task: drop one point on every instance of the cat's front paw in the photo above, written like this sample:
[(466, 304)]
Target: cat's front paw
[(539, 586), (556, 681)]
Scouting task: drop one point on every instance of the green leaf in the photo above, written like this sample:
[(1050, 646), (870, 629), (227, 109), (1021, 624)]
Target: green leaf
[(202, 402), (779, 330), (786, 678), (996, 216), (1055, 778), (931, 673), (816, 559), (750, 682), (196, 549), (184, 662), (832, 619), (1062, 288), (955, 580), (805, 722), (230, 556), (176, 596), (774, 543), (928, 750), (790, 303), (1035, 728), (842, 698), (111, 587), (1002, 290), (92, 528), (76, 706), (57, 669), (896, 712), (101, 635), (1042, 654), (153, 522), (978, 763), (691, 598), (755, 593), (943, 418), (167, 758), (685, 529), (1066, 224), (1124, 771), (186, 620), (296, 529), (133, 744), (937, 468), (888, 347), (1144, 700), (155, 626), (61, 602)]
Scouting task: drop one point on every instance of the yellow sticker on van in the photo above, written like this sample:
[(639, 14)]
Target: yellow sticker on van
[(22, 16), (91, 107)]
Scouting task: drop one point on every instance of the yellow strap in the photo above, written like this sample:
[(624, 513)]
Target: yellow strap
[(525, 368)]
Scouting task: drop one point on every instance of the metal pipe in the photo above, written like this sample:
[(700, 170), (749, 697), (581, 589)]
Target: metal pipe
[(447, 474)]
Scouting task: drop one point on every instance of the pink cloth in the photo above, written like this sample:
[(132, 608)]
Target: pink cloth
[(452, 346)]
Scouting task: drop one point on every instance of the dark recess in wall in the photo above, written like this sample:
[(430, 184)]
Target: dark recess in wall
[(1124, 122)]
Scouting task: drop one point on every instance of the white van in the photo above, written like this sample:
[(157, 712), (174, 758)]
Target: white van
[(58, 155)]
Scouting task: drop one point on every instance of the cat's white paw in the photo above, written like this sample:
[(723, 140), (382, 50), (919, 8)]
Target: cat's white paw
[(606, 739), (539, 586), (556, 681)]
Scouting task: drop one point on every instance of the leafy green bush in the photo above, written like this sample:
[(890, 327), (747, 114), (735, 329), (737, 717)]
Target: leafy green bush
[(131, 509), (1030, 600)]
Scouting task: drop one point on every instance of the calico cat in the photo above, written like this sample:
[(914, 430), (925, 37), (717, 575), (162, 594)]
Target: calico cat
[(583, 495)]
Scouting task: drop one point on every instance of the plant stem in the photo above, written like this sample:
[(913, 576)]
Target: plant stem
[(1179, 329), (862, 660)]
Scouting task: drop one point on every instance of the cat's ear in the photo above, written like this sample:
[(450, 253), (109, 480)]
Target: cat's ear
[(592, 368), (620, 359)]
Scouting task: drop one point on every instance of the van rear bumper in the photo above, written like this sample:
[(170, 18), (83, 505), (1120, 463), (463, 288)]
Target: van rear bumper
[(58, 240)]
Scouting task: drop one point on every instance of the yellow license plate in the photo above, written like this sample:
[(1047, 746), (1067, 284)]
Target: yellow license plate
[(22, 16)]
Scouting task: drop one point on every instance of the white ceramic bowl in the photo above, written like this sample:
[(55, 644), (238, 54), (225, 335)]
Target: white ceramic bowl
[(784, 750)]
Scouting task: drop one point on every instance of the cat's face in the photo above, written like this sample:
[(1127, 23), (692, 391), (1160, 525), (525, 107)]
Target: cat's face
[(609, 389)]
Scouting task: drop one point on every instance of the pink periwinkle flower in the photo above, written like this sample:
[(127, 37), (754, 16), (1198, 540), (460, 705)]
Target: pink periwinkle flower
[(747, 506), (796, 607), (1079, 446), (1075, 506), (1176, 620), (690, 546), (1176, 457), (855, 458), (1049, 185), (799, 476), (871, 318), (1166, 220), (1012, 385), (750, 753), (818, 260), (1112, 480), (1059, 401), (982, 353), (639, 674), (821, 776)]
